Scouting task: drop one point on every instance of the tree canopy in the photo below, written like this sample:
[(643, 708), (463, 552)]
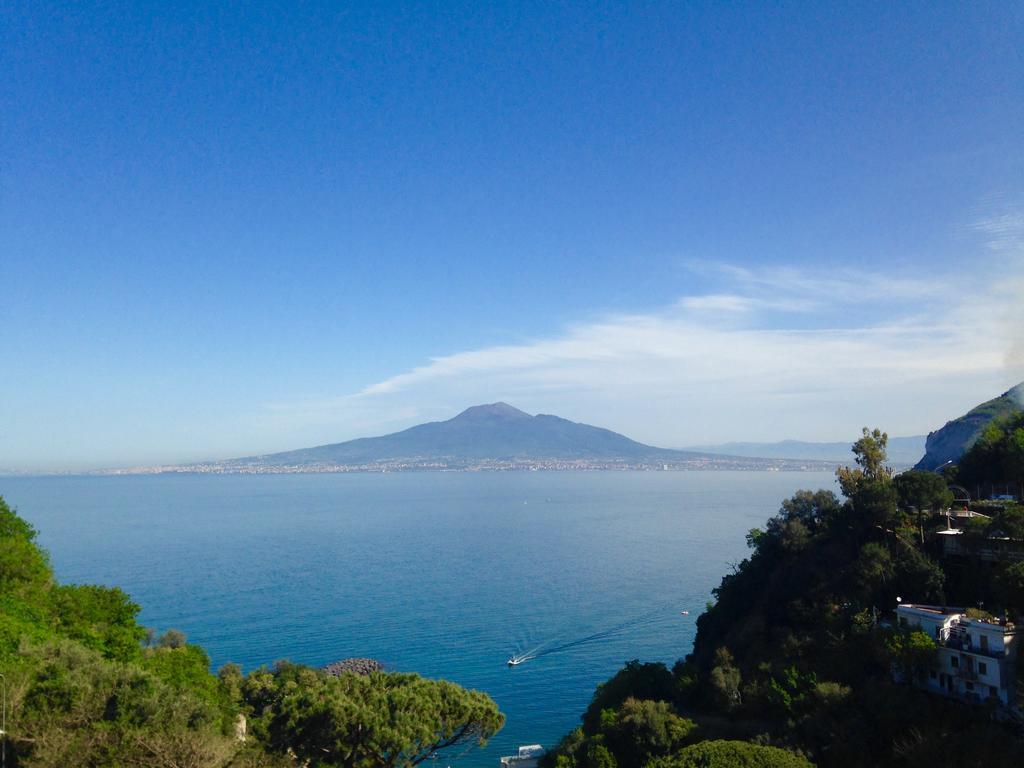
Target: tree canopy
[(795, 653), (997, 456), (920, 490), (379, 720), (732, 754), (88, 685)]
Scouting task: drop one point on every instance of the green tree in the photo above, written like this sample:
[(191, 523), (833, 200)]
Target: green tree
[(874, 571), (916, 574), (918, 492), (187, 668), (1010, 585), (78, 708), (868, 487), (731, 754), (379, 720), (231, 680), (884, 572), (101, 618), (997, 456), (644, 729), (24, 567), (869, 454), (1010, 521), (913, 652), (172, 638), (636, 680), (817, 510), (792, 691), (725, 681), (922, 491), (597, 755)]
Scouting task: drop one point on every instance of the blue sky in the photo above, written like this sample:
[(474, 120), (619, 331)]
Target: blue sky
[(237, 229)]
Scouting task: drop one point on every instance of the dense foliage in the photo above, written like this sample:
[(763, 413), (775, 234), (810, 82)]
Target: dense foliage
[(89, 686), (731, 754), (997, 456), (379, 719), (793, 652)]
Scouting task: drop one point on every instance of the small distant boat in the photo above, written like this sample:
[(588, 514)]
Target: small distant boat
[(685, 613), (527, 757), (514, 661)]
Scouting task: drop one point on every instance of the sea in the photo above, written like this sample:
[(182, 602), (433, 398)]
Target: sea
[(446, 574)]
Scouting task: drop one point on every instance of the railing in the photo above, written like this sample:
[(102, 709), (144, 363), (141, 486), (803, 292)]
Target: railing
[(956, 637), (960, 642)]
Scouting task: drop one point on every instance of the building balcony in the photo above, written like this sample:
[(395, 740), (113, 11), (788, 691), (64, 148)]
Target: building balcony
[(962, 644)]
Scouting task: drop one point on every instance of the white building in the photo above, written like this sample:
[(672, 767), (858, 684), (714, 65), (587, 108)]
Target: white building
[(976, 658)]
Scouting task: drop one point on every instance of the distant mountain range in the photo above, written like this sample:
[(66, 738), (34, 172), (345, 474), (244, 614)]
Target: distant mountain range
[(951, 441), (903, 451), (495, 432), (494, 436), (499, 436)]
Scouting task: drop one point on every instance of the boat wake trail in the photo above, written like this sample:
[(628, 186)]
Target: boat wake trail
[(540, 651)]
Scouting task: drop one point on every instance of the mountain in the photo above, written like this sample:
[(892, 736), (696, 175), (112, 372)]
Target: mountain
[(495, 432), (951, 441), (902, 450)]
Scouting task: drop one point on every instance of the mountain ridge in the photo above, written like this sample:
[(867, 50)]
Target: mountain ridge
[(489, 432), (951, 441)]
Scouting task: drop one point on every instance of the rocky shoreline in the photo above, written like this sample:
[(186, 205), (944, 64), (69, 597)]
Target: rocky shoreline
[(353, 666)]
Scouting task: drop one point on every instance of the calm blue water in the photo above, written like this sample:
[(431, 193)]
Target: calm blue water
[(445, 574)]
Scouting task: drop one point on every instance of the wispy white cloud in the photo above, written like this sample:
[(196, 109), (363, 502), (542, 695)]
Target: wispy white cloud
[(1004, 231), (999, 221), (735, 303), (845, 286), (752, 362)]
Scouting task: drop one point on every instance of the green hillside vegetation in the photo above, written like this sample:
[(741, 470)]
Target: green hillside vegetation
[(87, 685), (997, 457), (791, 654), (957, 436), (731, 754)]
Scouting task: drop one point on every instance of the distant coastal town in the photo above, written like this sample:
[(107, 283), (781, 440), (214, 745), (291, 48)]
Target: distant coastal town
[(256, 467)]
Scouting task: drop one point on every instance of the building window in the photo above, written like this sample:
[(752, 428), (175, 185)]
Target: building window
[(903, 621), (993, 692), (970, 686), (984, 643), (954, 662), (982, 668)]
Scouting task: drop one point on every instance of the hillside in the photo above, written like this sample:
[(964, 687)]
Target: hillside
[(951, 441), (800, 651), (495, 432)]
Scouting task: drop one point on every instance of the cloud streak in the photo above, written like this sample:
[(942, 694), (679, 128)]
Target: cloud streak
[(781, 353)]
